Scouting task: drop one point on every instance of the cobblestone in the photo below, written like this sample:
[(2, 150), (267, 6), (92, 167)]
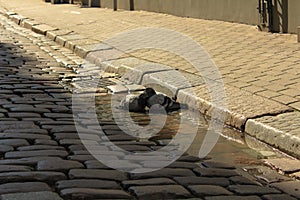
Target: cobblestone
[(215, 172), (166, 172), (23, 154), (150, 181), (32, 195), (23, 187), (208, 190), (58, 165), (31, 176), (40, 147), (87, 183), (5, 148), (252, 190), (89, 193), (97, 173), (158, 192), (187, 181), (23, 136), (14, 168)]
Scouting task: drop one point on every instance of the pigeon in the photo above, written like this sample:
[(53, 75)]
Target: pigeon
[(149, 98)]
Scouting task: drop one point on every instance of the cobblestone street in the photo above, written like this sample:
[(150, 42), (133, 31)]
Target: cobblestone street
[(43, 158), (260, 70)]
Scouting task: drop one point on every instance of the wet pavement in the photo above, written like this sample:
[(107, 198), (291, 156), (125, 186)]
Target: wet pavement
[(42, 156)]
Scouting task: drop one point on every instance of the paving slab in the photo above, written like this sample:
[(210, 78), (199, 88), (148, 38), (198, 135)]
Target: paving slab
[(285, 165), (289, 187)]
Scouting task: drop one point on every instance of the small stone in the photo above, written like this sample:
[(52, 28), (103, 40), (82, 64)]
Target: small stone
[(160, 192), (23, 187), (266, 174), (97, 173), (89, 193), (58, 165), (296, 175), (45, 195), (87, 183), (208, 190)]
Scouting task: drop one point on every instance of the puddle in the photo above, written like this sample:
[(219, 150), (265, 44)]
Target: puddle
[(232, 147)]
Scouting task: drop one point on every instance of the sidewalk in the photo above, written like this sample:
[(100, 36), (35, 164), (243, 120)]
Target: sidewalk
[(260, 70)]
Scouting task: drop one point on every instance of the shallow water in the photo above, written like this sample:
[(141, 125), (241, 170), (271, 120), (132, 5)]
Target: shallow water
[(231, 147)]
